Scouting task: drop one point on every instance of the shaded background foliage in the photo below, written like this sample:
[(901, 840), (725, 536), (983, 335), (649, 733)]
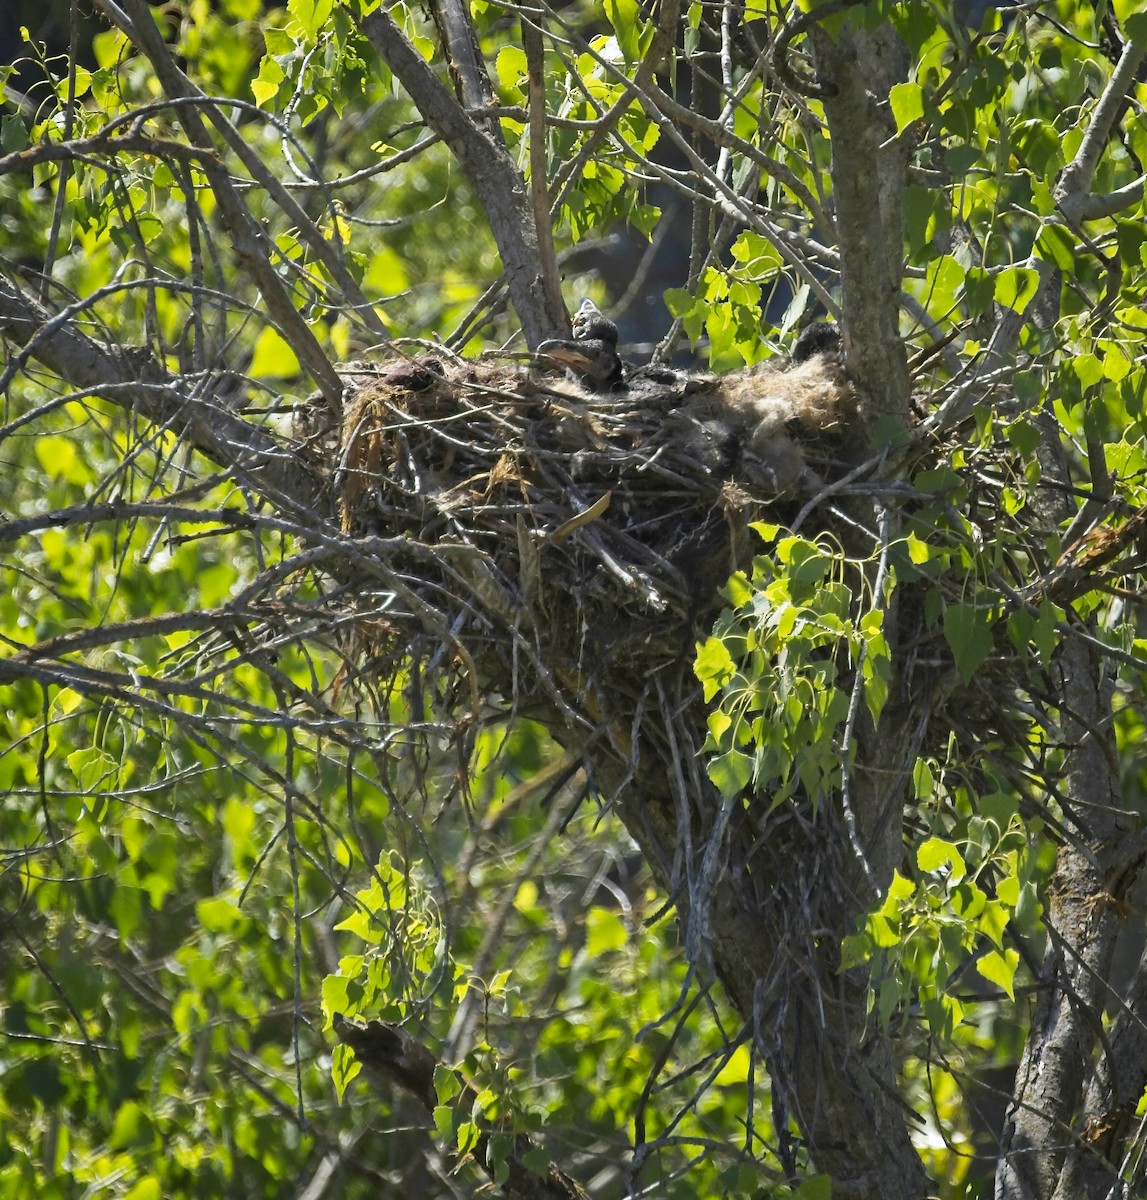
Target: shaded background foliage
[(218, 829)]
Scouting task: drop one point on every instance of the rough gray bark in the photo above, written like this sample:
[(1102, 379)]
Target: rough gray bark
[(1074, 1092), (1070, 1110), (868, 163)]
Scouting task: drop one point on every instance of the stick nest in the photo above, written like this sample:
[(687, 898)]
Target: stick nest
[(598, 527)]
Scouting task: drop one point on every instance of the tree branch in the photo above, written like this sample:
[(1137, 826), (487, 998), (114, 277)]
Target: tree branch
[(388, 1053), (491, 173), (1086, 899), (248, 240), (539, 191), (1073, 189), (464, 58), (1074, 203), (868, 165), (1086, 891), (226, 439)]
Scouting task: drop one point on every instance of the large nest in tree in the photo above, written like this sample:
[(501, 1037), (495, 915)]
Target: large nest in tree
[(599, 527)]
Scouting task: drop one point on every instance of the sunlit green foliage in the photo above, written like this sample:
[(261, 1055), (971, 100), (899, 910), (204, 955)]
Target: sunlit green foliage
[(204, 865)]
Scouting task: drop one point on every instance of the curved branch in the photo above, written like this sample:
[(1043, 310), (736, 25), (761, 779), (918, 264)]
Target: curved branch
[(1073, 189)]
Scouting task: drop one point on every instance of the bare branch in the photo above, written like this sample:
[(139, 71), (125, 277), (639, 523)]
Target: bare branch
[(491, 173), (248, 239), (539, 192), (464, 58), (1073, 189), (228, 440)]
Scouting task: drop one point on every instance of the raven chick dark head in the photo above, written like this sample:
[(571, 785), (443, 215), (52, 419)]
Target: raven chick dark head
[(592, 354)]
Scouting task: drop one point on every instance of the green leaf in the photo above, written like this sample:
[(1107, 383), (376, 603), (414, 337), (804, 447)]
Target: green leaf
[(731, 772), (445, 1120), (1056, 245), (446, 1084), (968, 631), (714, 666), (93, 768), (344, 1067), (923, 781), (935, 853), (1008, 888), (265, 87), (219, 915), (993, 921), (891, 995), (1016, 287), (147, 1188), (757, 255), (945, 281), (312, 15), (132, 1127), (466, 1137), (907, 102), (1024, 436), (938, 480), (13, 134), (855, 950), (815, 1187), (1135, 27), (605, 931), (1088, 369), (999, 967), (337, 996), (624, 15), (273, 357), (511, 68), (979, 291), (498, 1151)]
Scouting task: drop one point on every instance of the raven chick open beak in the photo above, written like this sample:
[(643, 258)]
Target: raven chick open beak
[(592, 354)]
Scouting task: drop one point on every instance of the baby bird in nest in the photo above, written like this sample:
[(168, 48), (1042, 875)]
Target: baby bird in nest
[(592, 354)]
